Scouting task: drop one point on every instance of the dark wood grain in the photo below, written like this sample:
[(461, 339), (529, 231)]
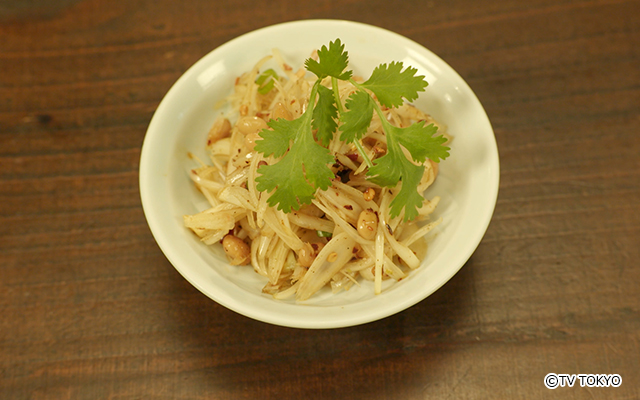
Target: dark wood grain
[(91, 309)]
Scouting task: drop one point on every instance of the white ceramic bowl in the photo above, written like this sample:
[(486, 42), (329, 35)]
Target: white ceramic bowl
[(467, 183)]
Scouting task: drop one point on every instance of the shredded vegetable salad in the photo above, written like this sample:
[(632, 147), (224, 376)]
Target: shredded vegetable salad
[(315, 177)]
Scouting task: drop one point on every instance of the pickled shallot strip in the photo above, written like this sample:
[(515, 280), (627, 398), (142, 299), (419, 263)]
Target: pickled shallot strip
[(311, 222), (420, 233), (328, 262)]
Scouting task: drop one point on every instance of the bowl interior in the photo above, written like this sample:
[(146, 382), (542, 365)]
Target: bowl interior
[(467, 182)]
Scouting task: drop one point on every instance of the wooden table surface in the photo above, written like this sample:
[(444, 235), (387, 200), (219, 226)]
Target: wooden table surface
[(91, 309)]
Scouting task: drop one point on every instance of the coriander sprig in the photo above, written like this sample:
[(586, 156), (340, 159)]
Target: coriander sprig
[(304, 166)]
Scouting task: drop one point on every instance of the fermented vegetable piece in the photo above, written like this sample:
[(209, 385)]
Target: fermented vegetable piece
[(316, 179)]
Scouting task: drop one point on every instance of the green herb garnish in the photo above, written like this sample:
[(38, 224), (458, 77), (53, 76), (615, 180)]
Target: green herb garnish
[(302, 143), (266, 80)]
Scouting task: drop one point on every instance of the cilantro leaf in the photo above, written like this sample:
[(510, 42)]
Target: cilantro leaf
[(324, 115), (390, 84), (303, 168), (387, 170), (408, 197), (276, 140), (296, 176), (332, 61), (392, 168), (395, 167), (419, 140), (357, 119)]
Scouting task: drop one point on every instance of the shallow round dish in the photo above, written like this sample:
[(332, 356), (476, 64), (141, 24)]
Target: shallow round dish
[(467, 182)]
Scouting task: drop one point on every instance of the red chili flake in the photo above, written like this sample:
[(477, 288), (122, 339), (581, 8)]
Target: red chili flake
[(348, 207)]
